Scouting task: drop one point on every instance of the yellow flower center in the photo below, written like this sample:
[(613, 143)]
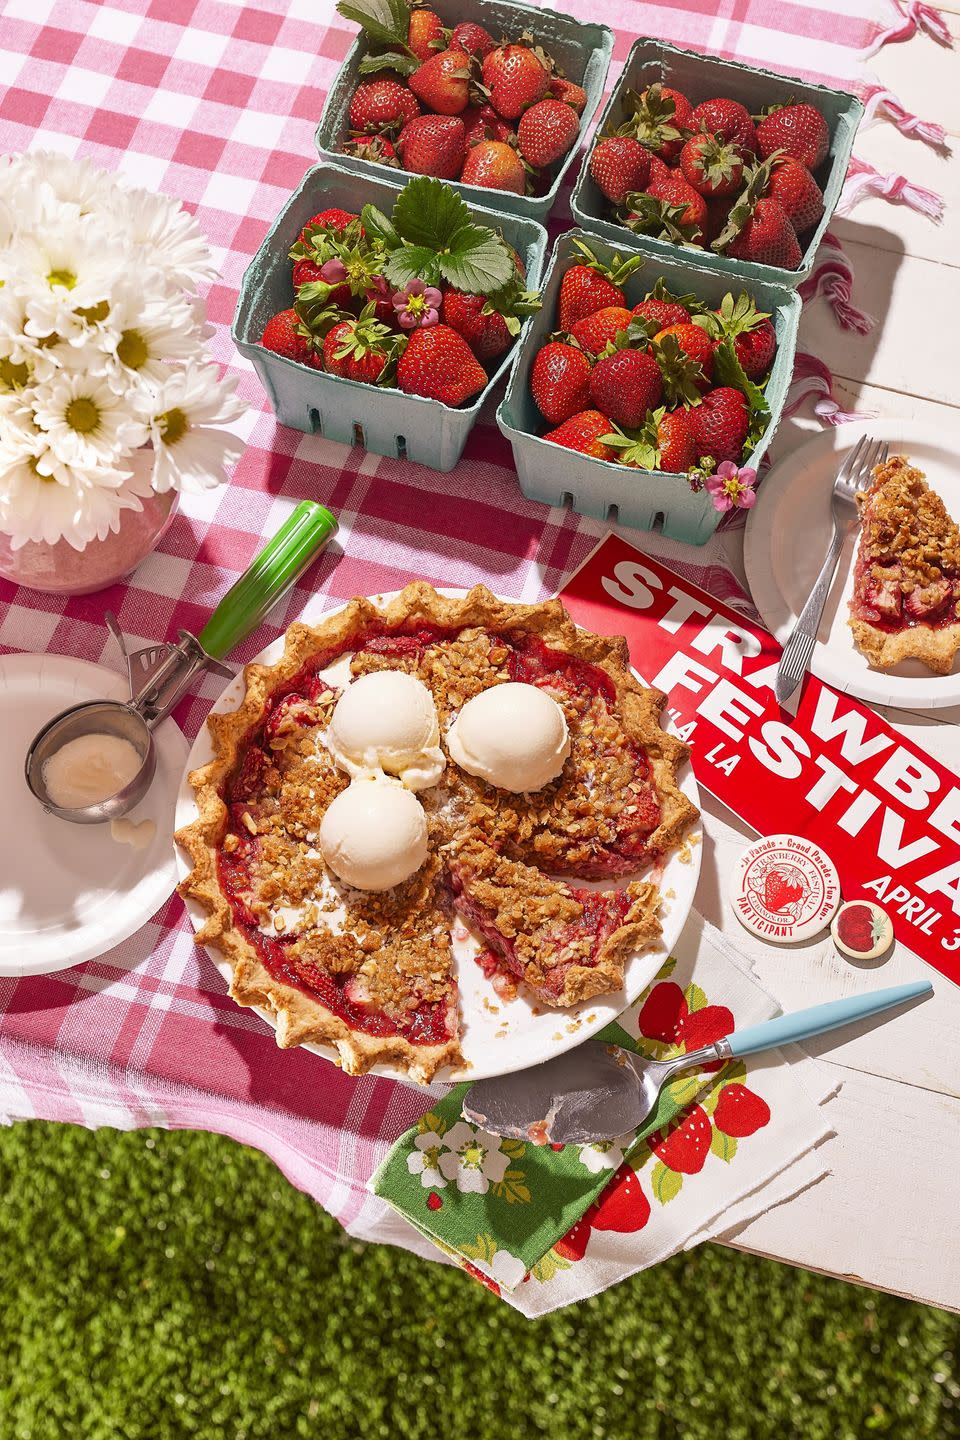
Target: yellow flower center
[(95, 313), (82, 415), (417, 304), (33, 464), (64, 278), (733, 487), (173, 425), (13, 377), (472, 1155), (132, 350)]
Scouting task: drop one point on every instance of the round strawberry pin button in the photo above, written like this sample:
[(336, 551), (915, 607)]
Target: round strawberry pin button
[(785, 889), (862, 930)]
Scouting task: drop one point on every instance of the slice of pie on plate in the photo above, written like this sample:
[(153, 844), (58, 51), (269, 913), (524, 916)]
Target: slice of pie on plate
[(371, 972), (906, 583)]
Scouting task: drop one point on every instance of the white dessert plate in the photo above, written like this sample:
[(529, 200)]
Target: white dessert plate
[(787, 535), (70, 892), (497, 1037)]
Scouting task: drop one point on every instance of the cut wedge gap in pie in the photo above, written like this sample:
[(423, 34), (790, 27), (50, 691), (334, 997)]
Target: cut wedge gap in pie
[(906, 584)]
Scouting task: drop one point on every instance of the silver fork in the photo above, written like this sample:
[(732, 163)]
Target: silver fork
[(853, 476)]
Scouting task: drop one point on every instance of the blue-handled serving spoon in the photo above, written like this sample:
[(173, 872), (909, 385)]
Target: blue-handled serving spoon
[(600, 1090)]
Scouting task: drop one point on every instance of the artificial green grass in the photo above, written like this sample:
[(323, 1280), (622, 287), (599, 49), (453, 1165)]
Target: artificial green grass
[(158, 1285)]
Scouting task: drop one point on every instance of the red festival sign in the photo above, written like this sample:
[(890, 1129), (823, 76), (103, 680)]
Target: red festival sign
[(884, 811)]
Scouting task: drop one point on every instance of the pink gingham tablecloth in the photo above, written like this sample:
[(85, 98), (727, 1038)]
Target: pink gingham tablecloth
[(216, 103)]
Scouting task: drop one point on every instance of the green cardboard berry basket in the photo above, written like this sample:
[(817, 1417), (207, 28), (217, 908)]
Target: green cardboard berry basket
[(703, 77), (387, 422), (582, 50), (641, 499)]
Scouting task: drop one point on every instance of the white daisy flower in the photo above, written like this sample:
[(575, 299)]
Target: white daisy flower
[(423, 1160), (145, 335), (472, 1158), (41, 501), (71, 180), (167, 237), (68, 274), (189, 452), (88, 424)]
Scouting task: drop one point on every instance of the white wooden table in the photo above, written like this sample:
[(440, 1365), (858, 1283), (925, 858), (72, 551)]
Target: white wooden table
[(886, 1215)]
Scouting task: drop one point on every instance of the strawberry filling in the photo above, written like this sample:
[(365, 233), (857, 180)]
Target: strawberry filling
[(250, 790), (881, 598)]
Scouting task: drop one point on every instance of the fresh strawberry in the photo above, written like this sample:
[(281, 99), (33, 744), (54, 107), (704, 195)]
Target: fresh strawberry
[(483, 123), (516, 78), (442, 83), (305, 272), (371, 147), (487, 335), (728, 120), (660, 120), (582, 432), (704, 1026), (494, 165), (753, 336), (799, 195), (590, 285), (425, 27), (357, 349), (621, 1205), (433, 145), (695, 343), (472, 39), (661, 309), (382, 103), (573, 1245), (439, 364), (546, 132), (797, 130), (663, 1013), (560, 381), (570, 94), (720, 423), (675, 443), (687, 1147), (765, 235), (711, 166), (594, 332), (285, 335), (740, 1112), (625, 385), (619, 165), (335, 219), (755, 349), (674, 191)]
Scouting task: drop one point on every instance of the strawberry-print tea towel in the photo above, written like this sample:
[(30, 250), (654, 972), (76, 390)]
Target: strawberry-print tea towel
[(547, 1225)]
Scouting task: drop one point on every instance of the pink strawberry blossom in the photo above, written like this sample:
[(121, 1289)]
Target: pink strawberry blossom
[(732, 487), (417, 305)]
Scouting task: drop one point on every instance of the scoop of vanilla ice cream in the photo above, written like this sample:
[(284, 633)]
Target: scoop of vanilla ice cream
[(387, 721), (374, 834), (513, 735)]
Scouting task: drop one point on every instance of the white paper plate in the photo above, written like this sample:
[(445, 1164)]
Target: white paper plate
[(787, 535), (69, 892), (497, 1037)]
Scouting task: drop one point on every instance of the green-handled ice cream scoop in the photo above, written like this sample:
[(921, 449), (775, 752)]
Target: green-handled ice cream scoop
[(158, 683)]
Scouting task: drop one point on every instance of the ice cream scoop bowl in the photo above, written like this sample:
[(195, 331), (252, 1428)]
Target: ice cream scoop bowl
[(268, 578)]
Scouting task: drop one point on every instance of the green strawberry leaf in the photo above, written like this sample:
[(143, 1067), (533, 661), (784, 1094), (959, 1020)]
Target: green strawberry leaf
[(477, 260), (684, 1090), (670, 964), (432, 1123), (427, 212), (389, 60), (666, 1183), (514, 1148), (410, 262), (386, 21), (378, 227), (724, 1146), (548, 1266), (484, 1249), (512, 1188), (694, 996)]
